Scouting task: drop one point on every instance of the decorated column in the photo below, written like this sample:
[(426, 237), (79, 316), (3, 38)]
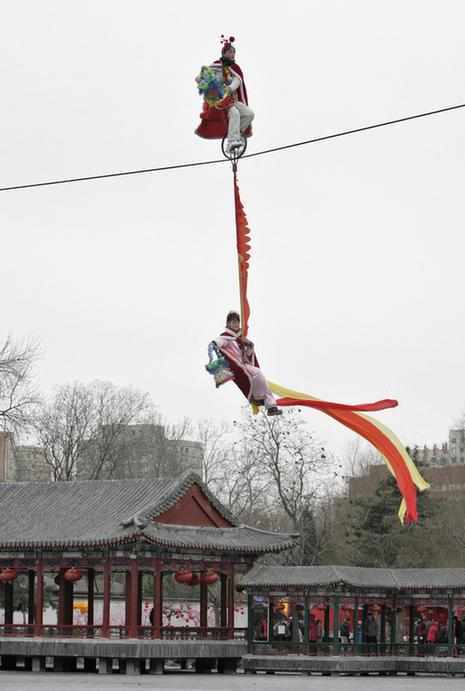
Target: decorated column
[(355, 625), (450, 623), (411, 627), (157, 598), (30, 596), (39, 598), (203, 605), (231, 603), (336, 601), (133, 598), (90, 596), (306, 620), (223, 599), (106, 597)]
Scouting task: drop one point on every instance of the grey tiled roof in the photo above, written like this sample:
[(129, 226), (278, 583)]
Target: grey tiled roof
[(102, 512), (240, 538), (354, 577)]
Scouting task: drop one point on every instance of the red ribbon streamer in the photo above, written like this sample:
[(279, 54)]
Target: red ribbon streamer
[(323, 405), (346, 414), (243, 255)]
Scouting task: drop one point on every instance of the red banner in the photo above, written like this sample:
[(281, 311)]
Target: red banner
[(243, 255)]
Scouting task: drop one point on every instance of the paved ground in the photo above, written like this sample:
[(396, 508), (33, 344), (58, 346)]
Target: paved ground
[(21, 681)]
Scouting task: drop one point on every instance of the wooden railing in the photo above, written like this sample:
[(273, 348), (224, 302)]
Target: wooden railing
[(327, 648), (61, 631), (82, 631), (192, 633)]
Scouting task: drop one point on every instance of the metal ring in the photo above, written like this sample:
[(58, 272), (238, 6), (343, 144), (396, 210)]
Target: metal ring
[(236, 153)]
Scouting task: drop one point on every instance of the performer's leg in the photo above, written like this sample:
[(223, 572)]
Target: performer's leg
[(246, 115), (259, 389), (234, 135)]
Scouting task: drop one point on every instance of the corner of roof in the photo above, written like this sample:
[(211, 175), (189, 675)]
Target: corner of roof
[(289, 536)]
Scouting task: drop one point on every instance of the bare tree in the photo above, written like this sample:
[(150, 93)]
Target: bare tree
[(63, 425), (289, 456), (269, 475), (359, 456), (214, 438), (82, 427), (17, 395), (114, 408)]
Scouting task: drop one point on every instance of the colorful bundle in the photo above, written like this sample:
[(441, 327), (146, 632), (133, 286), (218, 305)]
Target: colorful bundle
[(209, 86)]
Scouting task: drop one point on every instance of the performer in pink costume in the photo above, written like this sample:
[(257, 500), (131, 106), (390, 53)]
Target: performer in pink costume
[(242, 361)]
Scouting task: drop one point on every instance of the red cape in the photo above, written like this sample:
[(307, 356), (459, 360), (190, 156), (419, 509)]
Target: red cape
[(241, 378)]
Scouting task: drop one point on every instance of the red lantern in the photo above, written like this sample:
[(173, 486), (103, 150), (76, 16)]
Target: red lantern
[(72, 575), (208, 578), (7, 575), (184, 577), (195, 579)]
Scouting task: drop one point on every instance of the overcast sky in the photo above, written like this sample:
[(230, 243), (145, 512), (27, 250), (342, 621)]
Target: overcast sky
[(357, 272)]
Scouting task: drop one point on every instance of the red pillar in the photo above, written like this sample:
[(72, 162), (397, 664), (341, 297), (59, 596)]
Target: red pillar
[(231, 603), (8, 602), (133, 598), (90, 597), (39, 598), (203, 607), (30, 597), (140, 592), (157, 598), (106, 598), (223, 600)]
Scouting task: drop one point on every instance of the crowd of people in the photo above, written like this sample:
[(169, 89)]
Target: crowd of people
[(430, 631)]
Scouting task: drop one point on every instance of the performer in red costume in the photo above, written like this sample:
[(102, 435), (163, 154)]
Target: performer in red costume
[(230, 113), (241, 360)]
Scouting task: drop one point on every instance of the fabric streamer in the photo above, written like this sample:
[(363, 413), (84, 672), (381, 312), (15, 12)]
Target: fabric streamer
[(395, 455), (243, 255)]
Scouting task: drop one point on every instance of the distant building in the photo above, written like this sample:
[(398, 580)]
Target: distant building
[(21, 463), (136, 451), (457, 445), (443, 466), (446, 480), (7, 468), (31, 465), (139, 451), (451, 453), (187, 454)]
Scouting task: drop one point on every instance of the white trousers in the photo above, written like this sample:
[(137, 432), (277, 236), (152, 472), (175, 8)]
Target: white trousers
[(259, 389), (240, 117)]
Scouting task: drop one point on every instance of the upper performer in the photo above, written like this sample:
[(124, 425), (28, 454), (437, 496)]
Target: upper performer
[(242, 364), (223, 86)]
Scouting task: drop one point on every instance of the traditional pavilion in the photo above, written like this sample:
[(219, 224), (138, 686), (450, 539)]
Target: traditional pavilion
[(334, 610), (78, 532)]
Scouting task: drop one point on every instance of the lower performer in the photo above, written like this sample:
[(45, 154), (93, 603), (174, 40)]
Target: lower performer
[(236, 360)]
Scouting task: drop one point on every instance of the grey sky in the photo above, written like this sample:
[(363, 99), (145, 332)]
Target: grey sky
[(357, 273)]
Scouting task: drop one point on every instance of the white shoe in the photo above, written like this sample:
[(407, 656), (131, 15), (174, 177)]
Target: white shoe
[(233, 144)]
